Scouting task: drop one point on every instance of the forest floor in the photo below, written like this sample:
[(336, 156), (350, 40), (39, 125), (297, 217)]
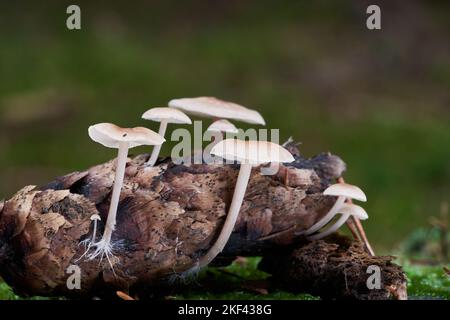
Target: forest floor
[(428, 278), (424, 282)]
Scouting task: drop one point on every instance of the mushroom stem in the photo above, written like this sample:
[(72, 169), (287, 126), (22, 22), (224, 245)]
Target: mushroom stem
[(118, 182), (233, 213), (327, 218), (359, 227), (331, 229), (352, 227), (156, 149), (94, 233), (363, 235)]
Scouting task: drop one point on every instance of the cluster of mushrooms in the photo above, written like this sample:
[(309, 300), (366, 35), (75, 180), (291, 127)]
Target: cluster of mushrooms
[(247, 153)]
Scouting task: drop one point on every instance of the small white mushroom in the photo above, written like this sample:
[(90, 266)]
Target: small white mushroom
[(218, 129), (347, 210), (89, 242), (95, 217), (342, 191), (218, 109), (163, 116), (222, 126), (249, 154), (112, 136)]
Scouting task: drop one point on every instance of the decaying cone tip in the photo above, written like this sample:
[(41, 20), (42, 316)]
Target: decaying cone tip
[(336, 268)]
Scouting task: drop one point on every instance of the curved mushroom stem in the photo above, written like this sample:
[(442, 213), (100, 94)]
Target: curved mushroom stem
[(118, 182), (327, 218), (94, 233), (363, 235), (156, 149), (352, 227), (359, 228), (331, 229), (233, 213)]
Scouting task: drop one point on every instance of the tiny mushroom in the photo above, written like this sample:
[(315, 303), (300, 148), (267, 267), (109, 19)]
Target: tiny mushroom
[(90, 242), (347, 210), (249, 154), (217, 109), (95, 217), (164, 116), (342, 191), (217, 130), (112, 136), (221, 127)]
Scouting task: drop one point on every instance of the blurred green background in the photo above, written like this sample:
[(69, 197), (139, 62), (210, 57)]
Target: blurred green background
[(379, 99)]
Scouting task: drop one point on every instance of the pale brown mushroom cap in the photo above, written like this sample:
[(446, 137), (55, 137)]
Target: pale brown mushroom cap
[(354, 210), (222, 126), (213, 107), (170, 115), (251, 152), (111, 136), (345, 190)]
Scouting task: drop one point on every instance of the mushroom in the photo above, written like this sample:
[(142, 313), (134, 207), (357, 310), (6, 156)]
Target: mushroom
[(89, 242), (346, 210), (222, 126), (217, 130), (163, 116), (342, 191), (95, 217), (249, 154), (218, 109), (112, 136)]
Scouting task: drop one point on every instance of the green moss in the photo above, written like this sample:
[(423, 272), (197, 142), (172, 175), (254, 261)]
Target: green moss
[(426, 282), (6, 292)]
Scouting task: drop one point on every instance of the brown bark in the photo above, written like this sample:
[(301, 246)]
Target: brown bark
[(331, 268), (168, 217), (335, 268)]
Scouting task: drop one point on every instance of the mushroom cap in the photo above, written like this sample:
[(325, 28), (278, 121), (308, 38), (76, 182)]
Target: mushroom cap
[(111, 136), (251, 152), (95, 217), (213, 107), (222, 125), (170, 115), (354, 210), (345, 190)]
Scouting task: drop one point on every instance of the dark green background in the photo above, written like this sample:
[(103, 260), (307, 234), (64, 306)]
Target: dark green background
[(379, 99)]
